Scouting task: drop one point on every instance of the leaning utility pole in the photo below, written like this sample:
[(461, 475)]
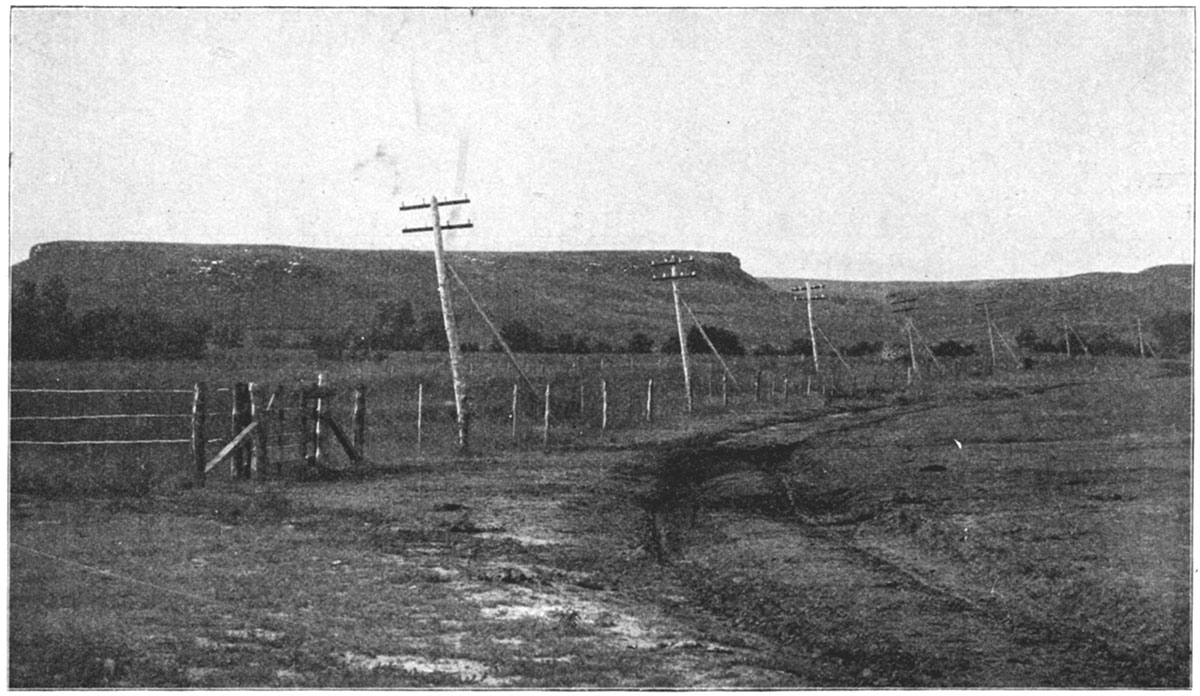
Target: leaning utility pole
[(674, 275), (809, 299), (1064, 307), (902, 304), (986, 304), (456, 373)]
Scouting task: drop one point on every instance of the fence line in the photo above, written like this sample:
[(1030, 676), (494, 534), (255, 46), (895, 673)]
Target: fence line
[(101, 416), (99, 442), (101, 391), (577, 402)]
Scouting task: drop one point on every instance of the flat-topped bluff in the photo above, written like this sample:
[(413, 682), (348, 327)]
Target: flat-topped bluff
[(604, 295)]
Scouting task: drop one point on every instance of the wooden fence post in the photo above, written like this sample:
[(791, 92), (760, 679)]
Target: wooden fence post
[(258, 454), (302, 418), (360, 420), (277, 401), (785, 389), (649, 399), (758, 386), (546, 419), (581, 402), (514, 412), (603, 403), (420, 412), (199, 439), (240, 418), (318, 422)]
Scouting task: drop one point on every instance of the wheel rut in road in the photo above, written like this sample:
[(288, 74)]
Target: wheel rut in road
[(722, 513)]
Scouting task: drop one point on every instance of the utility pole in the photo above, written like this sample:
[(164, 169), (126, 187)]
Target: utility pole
[(675, 275), (455, 348), (902, 304), (1068, 329), (986, 304), (812, 336)]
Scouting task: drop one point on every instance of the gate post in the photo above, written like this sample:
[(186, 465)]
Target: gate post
[(318, 422), (199, 439), (239, 462), (360, 419), (258, 455)]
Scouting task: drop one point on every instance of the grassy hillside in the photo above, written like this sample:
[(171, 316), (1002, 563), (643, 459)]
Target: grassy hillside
[(1092, 303), (603, 295)]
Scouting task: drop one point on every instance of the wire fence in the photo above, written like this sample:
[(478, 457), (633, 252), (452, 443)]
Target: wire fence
[(571, 401)]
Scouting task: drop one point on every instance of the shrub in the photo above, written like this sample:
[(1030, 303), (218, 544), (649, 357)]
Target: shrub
[(1107, 344), (726, 342), (1174, 331), (430, 333), (521, 338), (568, 343), (394, 327), (641, 343), (1028, 339), (863, 348), (800, 346), (42, 326), (952, 349)]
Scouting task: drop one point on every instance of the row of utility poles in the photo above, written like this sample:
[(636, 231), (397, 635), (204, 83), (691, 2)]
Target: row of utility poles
[(900, 303)]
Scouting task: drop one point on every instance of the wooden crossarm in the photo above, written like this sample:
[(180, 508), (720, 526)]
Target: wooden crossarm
[(233, 444)]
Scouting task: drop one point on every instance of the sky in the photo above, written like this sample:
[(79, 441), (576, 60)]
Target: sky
[(855, 144)]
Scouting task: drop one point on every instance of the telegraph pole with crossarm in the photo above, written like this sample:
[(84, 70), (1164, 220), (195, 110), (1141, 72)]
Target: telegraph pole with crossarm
[(903, 304), (985, 305), (456, 372), (808, 300), (675, 275)]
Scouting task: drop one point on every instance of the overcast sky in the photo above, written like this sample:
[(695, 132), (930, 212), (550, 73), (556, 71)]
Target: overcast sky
[(854, 144)]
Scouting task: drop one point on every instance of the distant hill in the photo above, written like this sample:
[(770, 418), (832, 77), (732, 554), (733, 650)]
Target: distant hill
[(1091, 302), (603, 295)]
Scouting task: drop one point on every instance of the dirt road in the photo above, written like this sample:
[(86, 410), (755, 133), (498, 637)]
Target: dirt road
[(1000, 537)]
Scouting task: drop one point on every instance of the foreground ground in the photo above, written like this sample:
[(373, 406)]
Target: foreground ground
[(1000, 535)]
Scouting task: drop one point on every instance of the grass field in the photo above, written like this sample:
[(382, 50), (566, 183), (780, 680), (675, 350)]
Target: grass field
[(1020, 529)]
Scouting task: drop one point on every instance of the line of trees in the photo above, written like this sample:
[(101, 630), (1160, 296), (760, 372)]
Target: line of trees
[(44, 328), (395, 327), (725, 341)]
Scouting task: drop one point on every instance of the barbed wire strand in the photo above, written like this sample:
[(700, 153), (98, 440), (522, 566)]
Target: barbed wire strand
[(100, 416), (101, 442), (101, 391)]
